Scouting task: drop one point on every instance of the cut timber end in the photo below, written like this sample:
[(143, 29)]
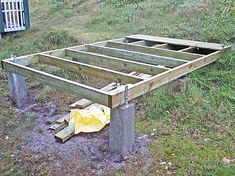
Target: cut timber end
[(65, 134), (81, 104), (58, 127), (64, 119)]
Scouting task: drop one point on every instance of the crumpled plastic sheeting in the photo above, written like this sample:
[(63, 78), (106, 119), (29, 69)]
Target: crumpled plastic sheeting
[(91, 119)]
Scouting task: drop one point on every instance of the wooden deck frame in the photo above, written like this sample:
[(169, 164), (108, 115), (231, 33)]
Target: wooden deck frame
[(163, 59)]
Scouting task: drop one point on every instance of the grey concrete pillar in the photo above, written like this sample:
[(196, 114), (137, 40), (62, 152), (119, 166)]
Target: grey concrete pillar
[(121, 138), (17, 88), (179, 86)]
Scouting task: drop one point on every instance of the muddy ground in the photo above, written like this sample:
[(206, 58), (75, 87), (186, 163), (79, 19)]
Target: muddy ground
[(84, 154)]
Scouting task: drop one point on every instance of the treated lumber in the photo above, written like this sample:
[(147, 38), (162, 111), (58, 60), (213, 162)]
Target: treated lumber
[(65, 134), (87, 69), (144, 76), (68, 132), (112, 62), (164, 45), (69, 86), (33, 58), (83, 103), (136, 56), (213, 46), (188, 49), (63, 119), (163, 78), (58, 127), (142, 42), (155, 51)]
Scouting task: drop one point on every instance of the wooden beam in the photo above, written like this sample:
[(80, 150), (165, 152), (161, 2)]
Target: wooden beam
[(188, 49), (155, 51), (136, 56), (213, 46), (112, 62), (164, 46), (87, 69), (163, 78), (83, 103), (72, 87), (65, 134), (142, 43)]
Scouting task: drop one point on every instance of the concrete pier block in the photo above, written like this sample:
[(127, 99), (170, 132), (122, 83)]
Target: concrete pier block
[(121, 138), (18, 90), (179, 86)]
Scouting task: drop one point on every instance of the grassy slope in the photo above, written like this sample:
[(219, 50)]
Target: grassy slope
[(182, 124)]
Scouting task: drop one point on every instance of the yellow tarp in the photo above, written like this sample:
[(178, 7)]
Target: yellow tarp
[(91, 119)]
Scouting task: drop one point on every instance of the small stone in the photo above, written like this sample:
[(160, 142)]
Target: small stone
[(154, 129), (7, 137), (169, 163), (208, 139), (152, 134), (228, 160), (125, 157), (166, 167), (162, 163)]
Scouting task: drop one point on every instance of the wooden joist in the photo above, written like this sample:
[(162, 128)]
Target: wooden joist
[(213, 46), (156, 61), (112, 62), (60, 83), (87, 69), (83, 103), (137, 56), (157, 50), (161, 79)]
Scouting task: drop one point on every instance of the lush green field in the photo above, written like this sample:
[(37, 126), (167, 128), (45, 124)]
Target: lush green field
[(193, 132)]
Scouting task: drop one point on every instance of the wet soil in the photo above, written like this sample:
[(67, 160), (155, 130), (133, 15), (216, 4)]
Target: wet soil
[(84, 154)]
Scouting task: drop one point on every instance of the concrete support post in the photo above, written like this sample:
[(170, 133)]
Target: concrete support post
[(18, 90), (179, 86), (121, 138)]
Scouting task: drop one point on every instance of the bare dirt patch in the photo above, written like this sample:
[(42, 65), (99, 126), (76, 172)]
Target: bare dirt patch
[(84, 154)]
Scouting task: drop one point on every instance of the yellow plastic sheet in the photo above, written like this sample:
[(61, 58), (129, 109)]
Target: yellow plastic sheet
[(91, 119)]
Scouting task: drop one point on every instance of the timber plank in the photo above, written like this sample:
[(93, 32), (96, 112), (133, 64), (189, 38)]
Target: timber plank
[(161, 79), (87, 69), (213, 46), (157, 50), (136, 56), (83, 103), (58, 127), (91, 93), (112, 62), (65, 134), (63, 119)]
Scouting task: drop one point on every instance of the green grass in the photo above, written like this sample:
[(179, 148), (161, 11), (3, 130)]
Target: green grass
[(183, 124)]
